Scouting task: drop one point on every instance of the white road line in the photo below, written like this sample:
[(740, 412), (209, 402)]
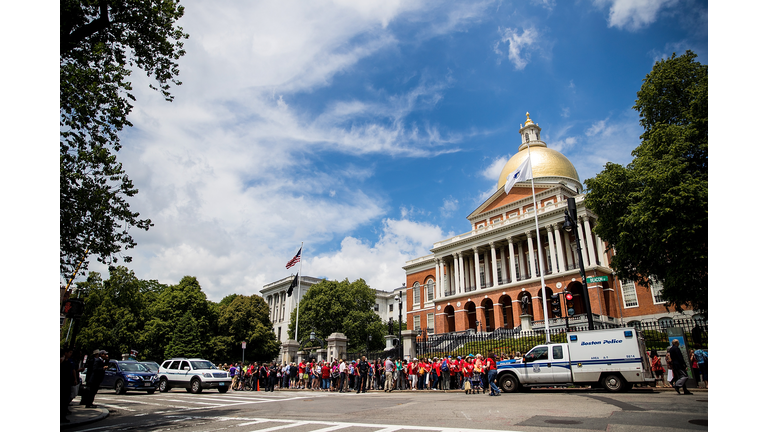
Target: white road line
[(118, 407), (299, 423), (331, 428), (250, 423)]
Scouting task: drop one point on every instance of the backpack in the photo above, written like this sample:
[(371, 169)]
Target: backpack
[(444, 367), (701, 356)]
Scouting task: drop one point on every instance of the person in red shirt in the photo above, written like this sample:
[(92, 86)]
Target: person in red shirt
[(490, 364), (467, 368), (325, 371), (435, 378)]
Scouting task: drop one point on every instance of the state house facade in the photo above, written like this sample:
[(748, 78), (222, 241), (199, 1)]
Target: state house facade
[(482, 279)]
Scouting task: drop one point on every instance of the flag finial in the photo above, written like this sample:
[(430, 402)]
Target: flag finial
[(528, 120)]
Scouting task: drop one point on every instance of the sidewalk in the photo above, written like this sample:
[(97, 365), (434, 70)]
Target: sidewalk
[(82, 415)]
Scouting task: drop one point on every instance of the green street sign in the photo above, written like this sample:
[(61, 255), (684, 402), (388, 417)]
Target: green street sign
[(597, 279)]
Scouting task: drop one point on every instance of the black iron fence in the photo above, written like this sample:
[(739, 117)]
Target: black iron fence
[(511, 341), (373, 355)]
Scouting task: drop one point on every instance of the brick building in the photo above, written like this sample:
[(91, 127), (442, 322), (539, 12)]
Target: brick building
[(484, 277)]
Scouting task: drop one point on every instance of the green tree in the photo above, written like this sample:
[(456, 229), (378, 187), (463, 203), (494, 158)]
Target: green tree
[(185, 340), (653, 212), (168, 310), (100, 42), (114, 312), (246, 319), (332, 306)]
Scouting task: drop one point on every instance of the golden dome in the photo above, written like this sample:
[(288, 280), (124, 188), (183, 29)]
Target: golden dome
[(545, 163)]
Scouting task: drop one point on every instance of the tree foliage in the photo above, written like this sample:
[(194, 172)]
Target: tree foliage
[(246, 319), (345, 307), (653, 212), (124, 313), (100, 42)]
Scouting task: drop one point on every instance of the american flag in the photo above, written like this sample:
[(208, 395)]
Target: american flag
[(294, 260)]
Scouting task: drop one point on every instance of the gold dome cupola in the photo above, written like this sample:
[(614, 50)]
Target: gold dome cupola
[(548, 165)]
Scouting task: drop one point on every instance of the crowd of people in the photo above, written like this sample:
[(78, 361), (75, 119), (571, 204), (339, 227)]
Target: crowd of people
[(472, 373)]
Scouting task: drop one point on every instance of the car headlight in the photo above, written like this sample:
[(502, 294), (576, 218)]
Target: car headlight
[(133, 377), (207, 375)]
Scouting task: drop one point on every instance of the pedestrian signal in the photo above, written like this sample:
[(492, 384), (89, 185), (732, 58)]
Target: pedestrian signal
[(395, 342), (72, 308)]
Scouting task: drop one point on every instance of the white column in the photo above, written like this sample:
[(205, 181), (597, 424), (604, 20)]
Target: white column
[(456, 273), (512, 274), (559, 245), (504, 262), (442, 276), (552, 255), (586, 237), (520, 257), (493, 265), (438, 292), (477, 268), (601, 250), (462, 282), (531, 254)]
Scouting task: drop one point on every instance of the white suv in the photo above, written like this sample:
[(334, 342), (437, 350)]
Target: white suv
[(193, 374)]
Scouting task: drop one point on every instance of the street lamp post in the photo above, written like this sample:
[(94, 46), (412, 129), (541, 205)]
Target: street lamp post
[(570, 225), (399, 300)]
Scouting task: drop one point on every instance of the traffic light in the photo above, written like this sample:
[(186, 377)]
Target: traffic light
[(569, 303), (556, 311), (72, 308)]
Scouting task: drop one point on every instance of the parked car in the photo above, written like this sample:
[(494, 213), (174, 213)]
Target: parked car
[(193, 374), (123, 375)]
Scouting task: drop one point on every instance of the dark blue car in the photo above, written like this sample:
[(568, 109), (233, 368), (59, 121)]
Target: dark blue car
[(123, 375)]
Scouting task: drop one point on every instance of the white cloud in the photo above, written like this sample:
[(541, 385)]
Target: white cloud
[(563, 145), (608, 140), (449, 206), (596, 128), (633, 14), (492, 171), (546, 4), (519, 44), (380, 264), (228, 172)]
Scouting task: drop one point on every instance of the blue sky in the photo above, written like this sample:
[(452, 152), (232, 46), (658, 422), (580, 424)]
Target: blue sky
[(371, 130)]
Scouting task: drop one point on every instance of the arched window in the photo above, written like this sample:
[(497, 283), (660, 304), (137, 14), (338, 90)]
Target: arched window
[(526, 137), (416, 294), (430, 290)]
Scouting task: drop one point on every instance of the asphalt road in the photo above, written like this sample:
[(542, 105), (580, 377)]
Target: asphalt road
[(307, 411)]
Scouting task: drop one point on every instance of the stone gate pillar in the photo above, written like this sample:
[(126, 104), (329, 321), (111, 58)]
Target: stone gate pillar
[(337, 346), (288, 351)]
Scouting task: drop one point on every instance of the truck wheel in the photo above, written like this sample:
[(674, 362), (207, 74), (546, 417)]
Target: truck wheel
[(223, 389), (119, 387), (509, 383), (195, 386), (613, 383), (163, 386)]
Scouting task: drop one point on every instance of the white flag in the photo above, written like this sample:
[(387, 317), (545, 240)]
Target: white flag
[(522, 173)]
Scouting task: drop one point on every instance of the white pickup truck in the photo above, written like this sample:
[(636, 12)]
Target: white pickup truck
[(614, 359)]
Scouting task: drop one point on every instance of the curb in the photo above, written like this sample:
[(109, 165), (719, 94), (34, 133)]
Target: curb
[(81, 416)]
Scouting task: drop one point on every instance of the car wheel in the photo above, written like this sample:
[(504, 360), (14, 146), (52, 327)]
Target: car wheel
[(120, 387), (509, 383), (613, 383), (163, 386), (196, 386)]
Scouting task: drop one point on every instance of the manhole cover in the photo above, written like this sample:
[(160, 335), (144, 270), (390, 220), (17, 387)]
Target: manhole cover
[(698, 422), (563, 422)]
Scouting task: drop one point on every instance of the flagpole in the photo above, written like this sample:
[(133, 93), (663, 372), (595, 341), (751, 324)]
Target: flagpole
[(541, 259), (298, 295)]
